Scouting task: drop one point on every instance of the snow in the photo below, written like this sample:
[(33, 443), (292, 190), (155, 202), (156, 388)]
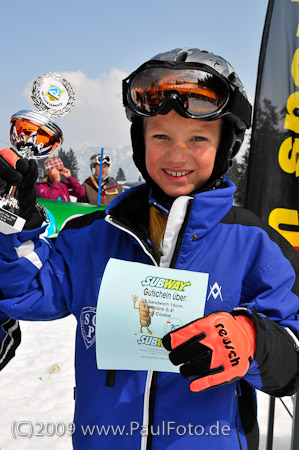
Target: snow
[(27, 398)]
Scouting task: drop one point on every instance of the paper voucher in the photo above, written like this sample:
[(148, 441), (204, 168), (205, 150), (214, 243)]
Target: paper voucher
[(137, 305)]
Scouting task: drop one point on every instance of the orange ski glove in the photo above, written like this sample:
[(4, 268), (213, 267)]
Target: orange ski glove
[(214, 350)]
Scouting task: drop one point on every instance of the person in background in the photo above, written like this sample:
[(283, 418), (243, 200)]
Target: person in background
[(53, 188), (109, 186)]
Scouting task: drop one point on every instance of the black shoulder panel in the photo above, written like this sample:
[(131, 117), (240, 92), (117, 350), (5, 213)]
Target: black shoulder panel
[(11, 340), (84, 220), (247, 218)]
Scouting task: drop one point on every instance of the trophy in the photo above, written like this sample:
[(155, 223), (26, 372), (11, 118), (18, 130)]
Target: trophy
[(34, 135)]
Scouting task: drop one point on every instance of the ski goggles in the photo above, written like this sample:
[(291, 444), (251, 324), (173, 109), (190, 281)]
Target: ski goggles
[(97, 160), (195, 93)]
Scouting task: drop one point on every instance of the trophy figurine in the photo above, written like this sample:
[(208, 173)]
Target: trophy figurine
[(34, 135)]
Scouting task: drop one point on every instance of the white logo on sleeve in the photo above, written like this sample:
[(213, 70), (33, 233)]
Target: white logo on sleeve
[(88, 325), (215, 290)]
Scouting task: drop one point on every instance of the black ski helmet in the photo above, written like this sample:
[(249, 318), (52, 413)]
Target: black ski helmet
[(235, 110)]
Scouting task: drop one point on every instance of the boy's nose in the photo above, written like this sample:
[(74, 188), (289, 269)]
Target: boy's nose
[(181, 144), (179, 151)]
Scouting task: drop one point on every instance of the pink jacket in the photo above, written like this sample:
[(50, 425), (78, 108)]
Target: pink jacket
[(63, 189)]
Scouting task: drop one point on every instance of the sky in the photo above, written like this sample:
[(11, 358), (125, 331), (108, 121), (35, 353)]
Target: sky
[(95, 44)]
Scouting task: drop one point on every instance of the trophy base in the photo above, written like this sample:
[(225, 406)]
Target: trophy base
[(10, 223)]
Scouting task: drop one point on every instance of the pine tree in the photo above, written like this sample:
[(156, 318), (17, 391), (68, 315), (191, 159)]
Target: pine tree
[(74, 163), (120, 175), (68, 158), (70, 161), (238, 175), (62, 156)]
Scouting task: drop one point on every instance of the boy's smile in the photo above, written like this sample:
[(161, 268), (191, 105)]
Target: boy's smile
[(180, 152)]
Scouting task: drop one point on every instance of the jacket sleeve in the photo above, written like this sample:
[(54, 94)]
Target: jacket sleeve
[(43, 190), (273, 307), (75, 188), (34, 277), (10, 338), (84, 199), (276, 358)]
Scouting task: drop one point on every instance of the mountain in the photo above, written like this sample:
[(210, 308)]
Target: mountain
[(120, 157)]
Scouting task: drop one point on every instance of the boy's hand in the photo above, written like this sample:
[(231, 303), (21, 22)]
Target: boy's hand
[(15, 170), (12, 168), (214, 350)]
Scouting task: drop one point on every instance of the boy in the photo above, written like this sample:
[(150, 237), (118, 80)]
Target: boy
[(189, 113)]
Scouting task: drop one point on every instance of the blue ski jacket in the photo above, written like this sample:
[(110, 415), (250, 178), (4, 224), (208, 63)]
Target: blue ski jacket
[(249, 265)]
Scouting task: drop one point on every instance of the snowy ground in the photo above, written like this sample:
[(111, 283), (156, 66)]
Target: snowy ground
[(27, 398)]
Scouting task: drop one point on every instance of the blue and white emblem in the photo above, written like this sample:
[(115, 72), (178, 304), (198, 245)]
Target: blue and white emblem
[(54, 92), (215, 291), (88, 325)]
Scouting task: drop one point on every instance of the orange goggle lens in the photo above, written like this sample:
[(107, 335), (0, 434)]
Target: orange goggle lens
[(25, 124), (200, 93)]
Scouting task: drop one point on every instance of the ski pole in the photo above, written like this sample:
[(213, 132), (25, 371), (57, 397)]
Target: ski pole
[(100, 177)]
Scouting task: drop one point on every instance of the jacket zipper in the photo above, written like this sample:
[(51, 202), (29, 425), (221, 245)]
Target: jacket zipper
[(151, 407), (116, 224), (152, 376), (151, 379)]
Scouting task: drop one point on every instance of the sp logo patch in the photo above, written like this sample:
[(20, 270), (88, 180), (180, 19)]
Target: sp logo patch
[(88, 325)]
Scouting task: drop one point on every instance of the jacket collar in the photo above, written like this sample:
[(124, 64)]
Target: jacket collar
[(131, 209), (209, 208)]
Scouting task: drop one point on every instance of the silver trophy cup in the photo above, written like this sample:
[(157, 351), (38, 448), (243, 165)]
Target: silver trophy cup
[(34, 135)]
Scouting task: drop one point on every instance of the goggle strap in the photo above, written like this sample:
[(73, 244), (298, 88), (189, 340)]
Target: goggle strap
[(124, 92), (240, 107)]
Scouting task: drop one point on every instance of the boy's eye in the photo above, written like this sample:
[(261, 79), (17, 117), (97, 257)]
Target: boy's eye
[(160, 136), (198, 138)]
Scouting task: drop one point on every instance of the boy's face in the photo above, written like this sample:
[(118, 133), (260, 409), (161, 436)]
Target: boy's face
[(180, 152)]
